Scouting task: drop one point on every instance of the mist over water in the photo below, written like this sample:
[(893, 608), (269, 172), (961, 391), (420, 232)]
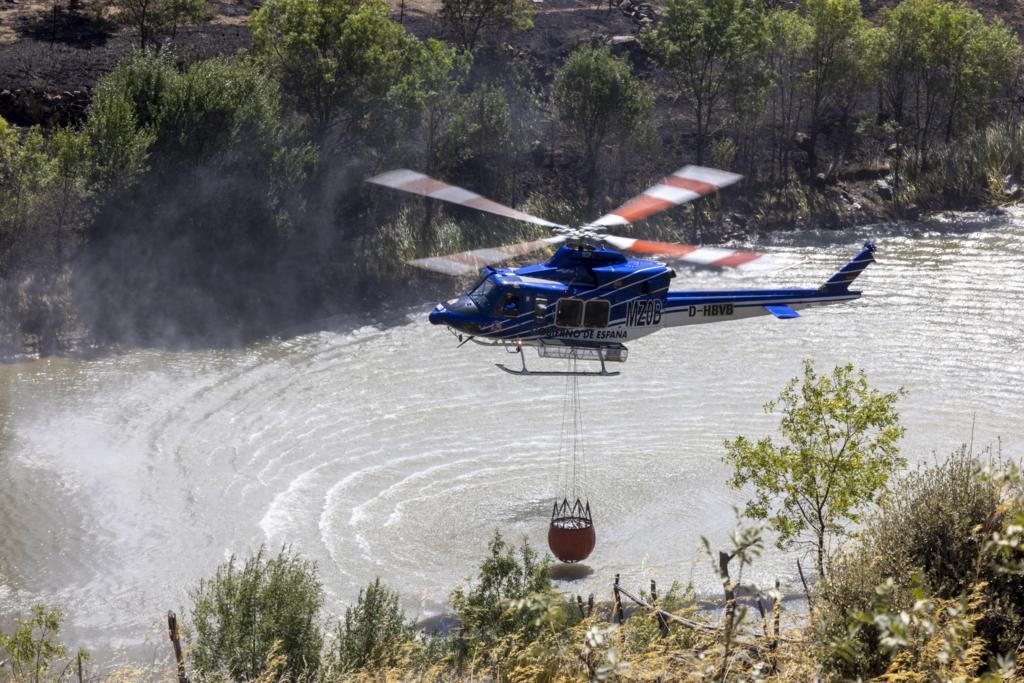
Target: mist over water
[(381, 449)]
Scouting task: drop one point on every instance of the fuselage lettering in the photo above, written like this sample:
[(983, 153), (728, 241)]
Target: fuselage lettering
[(643, 313)]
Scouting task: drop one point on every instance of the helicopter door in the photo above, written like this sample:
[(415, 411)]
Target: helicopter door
[(569, 313)]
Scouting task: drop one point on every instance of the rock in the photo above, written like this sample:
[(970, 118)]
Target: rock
[(538, 153), (1011, 187), (883, 189), (892, 150), (912, 211)]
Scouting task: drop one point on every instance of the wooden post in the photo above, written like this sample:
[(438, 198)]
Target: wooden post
[(579, 603), (175, 636), (79, 666), (662, 624), (590, 605), (730, 609), (618, 616), (777, 618)]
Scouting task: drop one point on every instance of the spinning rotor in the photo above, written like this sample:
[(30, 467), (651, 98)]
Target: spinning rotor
[(685, 185)]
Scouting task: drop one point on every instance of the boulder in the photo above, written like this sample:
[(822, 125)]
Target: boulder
[(883, 189)]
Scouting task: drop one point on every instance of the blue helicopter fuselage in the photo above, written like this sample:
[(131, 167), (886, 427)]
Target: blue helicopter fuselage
[(596, 297)]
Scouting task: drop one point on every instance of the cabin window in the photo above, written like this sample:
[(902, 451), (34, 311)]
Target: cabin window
[(540, 308), (509, 306), (569, 313), (596, 313)]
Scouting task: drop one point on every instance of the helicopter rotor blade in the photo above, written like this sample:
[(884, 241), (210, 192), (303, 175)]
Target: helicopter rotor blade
[(471, 261), (719, 257), (686, 184), (417, 183)]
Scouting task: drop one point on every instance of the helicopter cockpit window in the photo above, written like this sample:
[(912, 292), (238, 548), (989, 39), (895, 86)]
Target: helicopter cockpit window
[(596, 314), (569, 313), (482, 293)]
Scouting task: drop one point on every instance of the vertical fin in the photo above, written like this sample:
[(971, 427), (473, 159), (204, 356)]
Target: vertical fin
[(840, 282)]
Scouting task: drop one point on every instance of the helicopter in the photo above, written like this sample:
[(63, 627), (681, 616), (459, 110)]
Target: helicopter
[(588, 299)]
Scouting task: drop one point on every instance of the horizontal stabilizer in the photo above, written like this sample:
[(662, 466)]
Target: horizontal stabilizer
[(782, 311)]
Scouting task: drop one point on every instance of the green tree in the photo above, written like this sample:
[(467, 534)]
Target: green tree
[(942, 65), (154, 19), (115, 145), (240, 614), (597, 96), (707, 45), (839, 451), (373, 632), (332, 56), (35, 649), (468, 21), (789, 34), (506, 575), (427, 91), (836, 57), (477, 141)]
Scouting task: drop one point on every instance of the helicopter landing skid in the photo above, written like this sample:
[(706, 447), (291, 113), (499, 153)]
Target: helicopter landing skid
[(571, 353)]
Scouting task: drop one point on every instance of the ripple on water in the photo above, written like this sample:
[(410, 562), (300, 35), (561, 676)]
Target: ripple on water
[(381, 450)]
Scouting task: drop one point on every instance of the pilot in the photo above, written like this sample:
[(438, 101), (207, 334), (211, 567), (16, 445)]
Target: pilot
[(511, 306)]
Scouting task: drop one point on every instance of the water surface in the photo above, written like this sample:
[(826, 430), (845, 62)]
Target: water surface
[(383, 450)]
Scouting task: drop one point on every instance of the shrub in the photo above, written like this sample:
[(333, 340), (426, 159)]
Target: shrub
[(35, 649), (156, 19), (935, 524), (374, 631), (507, 574), (840, 447), (240, 615), (469, 21)]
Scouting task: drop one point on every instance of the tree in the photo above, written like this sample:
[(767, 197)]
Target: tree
[(706, 45), (836, 56), (116, 145), (332, 56), (373, 632), (467, 21), (840, 450), (427, 90), (597, 96), (156, 18), (478, 139), (789, 35), (507, 574), (241, 614), (35, 649), (941, 64)]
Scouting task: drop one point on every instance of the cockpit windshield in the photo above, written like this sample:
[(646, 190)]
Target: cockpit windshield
[(482, 294)]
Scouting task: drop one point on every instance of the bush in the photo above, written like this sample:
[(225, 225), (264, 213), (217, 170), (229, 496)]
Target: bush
[(970, 172), (507, 574), (243, 614), (34, 649), (374, 631), (936, 524)]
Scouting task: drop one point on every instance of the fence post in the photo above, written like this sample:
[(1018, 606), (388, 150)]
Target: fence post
[(662, 624), (175, 636), (618, 616)]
